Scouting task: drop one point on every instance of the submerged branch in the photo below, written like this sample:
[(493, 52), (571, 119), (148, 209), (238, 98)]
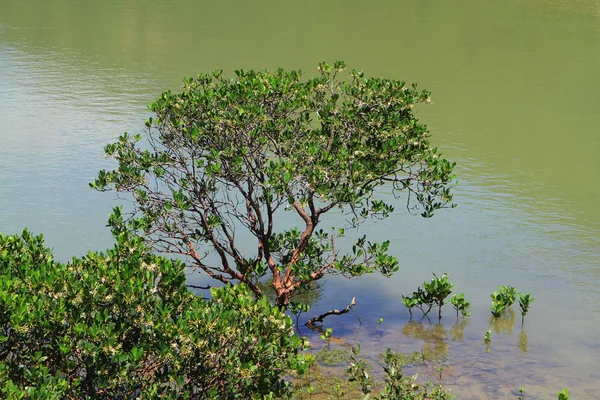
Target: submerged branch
[(320, 318)]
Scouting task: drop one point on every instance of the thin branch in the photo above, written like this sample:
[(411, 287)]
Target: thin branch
[(198, 287), (320, 318)]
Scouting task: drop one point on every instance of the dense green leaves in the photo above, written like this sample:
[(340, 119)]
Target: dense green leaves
[(232, 154), (433, 293), (124, 325), (502, 299)]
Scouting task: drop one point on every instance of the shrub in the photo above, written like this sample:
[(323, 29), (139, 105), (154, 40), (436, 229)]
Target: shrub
[(124, 325)]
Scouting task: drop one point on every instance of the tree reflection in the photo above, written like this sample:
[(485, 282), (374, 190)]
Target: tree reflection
[(504, 323), (433, 336), (458, 329), (523, 341)]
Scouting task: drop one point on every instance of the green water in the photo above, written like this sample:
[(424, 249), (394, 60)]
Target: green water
[(515, 88)]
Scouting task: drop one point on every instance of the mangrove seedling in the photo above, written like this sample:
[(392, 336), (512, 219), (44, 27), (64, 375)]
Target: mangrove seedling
[(460, 304), (360, 372), (499, 303), (503, 299), (563, 394), (438, 289), (487, 338), (497, 309), (509, 294), (326, 336), (410, 302), (524, 301), (430, 294), (424, 300)]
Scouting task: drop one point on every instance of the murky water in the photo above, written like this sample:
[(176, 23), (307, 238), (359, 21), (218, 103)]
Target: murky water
[(515, 88)]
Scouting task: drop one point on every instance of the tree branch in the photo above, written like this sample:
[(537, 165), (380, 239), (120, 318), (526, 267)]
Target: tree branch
[(320, 318)]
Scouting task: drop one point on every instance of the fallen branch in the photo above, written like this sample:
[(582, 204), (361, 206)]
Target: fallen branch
[(313, 321), (199, 287)]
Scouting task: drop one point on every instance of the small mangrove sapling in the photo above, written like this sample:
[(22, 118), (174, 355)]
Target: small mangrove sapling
[(502, 299), (360, 372), (563, 394), (487, 338), (410, 302), (498, 304), (460, 304), (525, 301), (326, 336), (509, 294), (430, 294), (439, 289)]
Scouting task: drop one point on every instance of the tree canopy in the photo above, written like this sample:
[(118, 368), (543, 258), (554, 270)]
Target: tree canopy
[(235, 154)]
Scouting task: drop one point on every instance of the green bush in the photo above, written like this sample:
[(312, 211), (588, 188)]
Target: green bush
[(124, 325)]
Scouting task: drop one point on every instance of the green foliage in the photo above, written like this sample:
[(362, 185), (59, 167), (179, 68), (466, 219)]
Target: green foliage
[(509, 294), (397, 386), (525, 301), (502, 299), (400, 387), (487, 338), (359, 372), (438, 289), (505, 297), (498, 306), (563, 394), (460, 305), (327, 335), (227, 155), (297, 309), (430, 294), (123, 324), (412, 301)]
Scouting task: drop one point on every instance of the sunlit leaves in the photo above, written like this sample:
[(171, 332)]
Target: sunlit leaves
[(434, 293), (233, 152), (123, 324)]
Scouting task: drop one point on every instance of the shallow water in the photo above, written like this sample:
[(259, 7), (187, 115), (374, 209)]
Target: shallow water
[(516, 103)]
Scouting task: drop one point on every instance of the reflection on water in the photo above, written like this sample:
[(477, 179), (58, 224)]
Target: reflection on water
[(434, 337), (458, 329), (523, 341), (503, 324)]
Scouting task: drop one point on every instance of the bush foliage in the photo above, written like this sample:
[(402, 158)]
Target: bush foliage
[(123, 324)]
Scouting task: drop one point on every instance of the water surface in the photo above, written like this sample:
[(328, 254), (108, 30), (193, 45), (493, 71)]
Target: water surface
[(516, 103)]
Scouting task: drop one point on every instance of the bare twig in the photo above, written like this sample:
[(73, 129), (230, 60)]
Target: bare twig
[(198, 287), (320, 318)]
